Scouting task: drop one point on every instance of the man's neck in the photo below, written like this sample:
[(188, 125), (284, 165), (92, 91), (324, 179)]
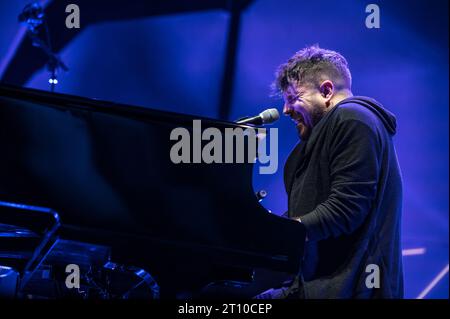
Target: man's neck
[(341, 95)]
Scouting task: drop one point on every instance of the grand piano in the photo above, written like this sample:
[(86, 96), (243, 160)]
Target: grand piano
[(105, 170)]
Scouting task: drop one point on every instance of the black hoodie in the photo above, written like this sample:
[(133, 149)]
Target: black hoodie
[(345, 184)]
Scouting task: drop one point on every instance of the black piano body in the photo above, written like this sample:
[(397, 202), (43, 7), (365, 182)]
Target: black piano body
[(106, 169)]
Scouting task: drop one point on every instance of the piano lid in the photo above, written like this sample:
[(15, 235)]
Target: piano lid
[(106, 169)]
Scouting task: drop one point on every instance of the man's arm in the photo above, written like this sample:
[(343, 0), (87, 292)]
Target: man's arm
[(354, 167)]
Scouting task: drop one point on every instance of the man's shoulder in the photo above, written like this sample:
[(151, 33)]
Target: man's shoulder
[(353, 112)]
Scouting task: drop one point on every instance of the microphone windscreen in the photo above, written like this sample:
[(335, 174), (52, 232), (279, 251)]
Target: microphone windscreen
[(269, 116)]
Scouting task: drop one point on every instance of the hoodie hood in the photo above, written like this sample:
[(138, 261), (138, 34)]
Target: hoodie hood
[(388, 119)]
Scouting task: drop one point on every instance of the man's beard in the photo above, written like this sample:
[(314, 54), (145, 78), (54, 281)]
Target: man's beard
[(317, 115), (304, 131)]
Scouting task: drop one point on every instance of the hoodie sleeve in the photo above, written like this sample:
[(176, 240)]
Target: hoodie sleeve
[(354, 151)]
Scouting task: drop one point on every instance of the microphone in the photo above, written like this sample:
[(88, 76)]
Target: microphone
[(265, 117), (32, 15)]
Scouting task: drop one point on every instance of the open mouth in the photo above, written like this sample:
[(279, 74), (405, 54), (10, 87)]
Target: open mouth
[(297, 119)]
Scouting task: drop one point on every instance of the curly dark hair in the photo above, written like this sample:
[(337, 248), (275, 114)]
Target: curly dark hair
[(312, 65)]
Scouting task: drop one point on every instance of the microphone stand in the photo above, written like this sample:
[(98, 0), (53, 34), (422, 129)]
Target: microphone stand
[(34, 17)]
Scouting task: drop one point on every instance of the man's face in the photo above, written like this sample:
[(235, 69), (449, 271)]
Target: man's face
[(305, 105)]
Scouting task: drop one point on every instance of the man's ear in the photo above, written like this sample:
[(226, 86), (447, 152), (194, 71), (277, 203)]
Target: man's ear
[(327, 89)]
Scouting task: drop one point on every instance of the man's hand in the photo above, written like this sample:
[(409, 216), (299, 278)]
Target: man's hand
[(299, 220)]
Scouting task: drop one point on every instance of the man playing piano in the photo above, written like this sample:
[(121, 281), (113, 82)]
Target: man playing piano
[(343, 183)]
